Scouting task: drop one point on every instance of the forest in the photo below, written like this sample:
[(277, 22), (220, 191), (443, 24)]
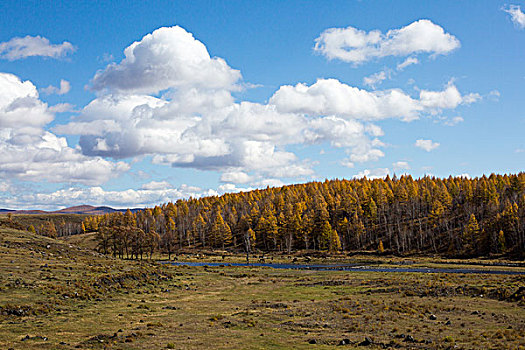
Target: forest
[(454, 216)]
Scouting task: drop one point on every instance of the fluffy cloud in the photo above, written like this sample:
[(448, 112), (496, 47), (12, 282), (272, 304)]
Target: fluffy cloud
[(516, 15), (357, 46), (29, 152), (331, 97), (237, 177), (149, 195), (167, 58), (197, 127), (235, 139), (196, 123), (20, 106), (63, 89), (98, 196), (449, 98), (427, 145), (48, 157), (19, 48)]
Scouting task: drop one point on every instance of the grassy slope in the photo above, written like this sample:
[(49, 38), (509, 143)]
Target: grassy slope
[(84, 300), (85, 240)]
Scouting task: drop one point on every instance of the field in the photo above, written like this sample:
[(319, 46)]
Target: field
[(57, 295)]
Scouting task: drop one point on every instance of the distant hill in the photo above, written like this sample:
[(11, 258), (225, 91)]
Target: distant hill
[(26, 211), (79, 209), (87, 209)]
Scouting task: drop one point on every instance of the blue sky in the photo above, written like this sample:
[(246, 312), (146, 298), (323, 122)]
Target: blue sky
[(227, 96)]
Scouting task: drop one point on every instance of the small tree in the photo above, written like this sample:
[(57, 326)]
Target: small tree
[(470, 235), (152, 241), (221, 232), (168, 239), (335, 242), (325, 236), (103, 238), (50, 229), (249, 241), (380, 248), (501, 242)]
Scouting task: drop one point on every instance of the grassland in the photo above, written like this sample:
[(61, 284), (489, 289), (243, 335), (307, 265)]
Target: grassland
[(57, 295)]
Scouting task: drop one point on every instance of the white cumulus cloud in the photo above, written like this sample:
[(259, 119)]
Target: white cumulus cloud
[(427, 145), (169, 57), (331, 97), (196, 123), (237, 177), (20, 106), (357, 46), (33, 154), (19, 48)]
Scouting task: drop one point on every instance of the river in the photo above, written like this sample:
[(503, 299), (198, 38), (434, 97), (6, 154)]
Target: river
[(351, 268)]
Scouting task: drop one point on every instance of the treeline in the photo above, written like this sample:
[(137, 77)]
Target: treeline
[(456, 216), (61, 228), (45, 226)]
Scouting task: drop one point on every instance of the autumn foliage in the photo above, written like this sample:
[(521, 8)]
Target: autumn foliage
[(456, 216)]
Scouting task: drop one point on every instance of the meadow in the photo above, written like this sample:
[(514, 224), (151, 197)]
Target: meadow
[(55, 294)]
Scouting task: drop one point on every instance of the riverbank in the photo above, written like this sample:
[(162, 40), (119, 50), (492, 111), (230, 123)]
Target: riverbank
[(348, 268)]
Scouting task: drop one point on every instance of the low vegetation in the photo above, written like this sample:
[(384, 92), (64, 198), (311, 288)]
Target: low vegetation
[(56, 295)]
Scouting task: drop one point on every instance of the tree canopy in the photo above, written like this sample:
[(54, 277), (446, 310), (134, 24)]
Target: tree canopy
[(457, 216)]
